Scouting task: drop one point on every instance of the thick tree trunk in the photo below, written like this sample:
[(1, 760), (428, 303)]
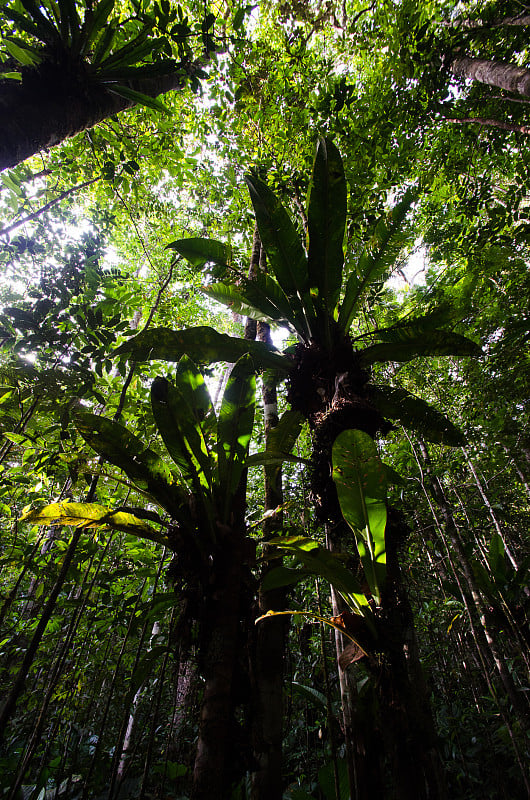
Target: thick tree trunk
[(50, 105), (219, 645), (494, 73)]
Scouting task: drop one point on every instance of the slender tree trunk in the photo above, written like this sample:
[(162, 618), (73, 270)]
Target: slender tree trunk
[(488, 505), (270, 638), (520, 706), (494, 73), (10, 703), (51, 104)]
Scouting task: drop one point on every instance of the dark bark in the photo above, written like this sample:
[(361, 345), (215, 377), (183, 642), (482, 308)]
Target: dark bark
[(52, 103), (334, 394), (270, 637), (494, 73), (212, 777)]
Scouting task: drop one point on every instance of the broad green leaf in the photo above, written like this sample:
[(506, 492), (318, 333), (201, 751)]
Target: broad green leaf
[(360, 479), (261, 299), (126, 451), (393, 477), (92, 515), (308, 693), (94, 23), (202, 344), (23, 55), (319, 561), (376, 259), (283, 436), (413, 327), (234, 429), (200, 252), (497, 559), (180, 427), (287, 258), (233, 298), (138, 97), (405, 348), (414, 413), (279, 577), (326, 217), (265, 293), (326, 779)]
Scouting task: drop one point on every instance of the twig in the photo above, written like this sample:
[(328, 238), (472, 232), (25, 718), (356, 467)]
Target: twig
[(42, 209)]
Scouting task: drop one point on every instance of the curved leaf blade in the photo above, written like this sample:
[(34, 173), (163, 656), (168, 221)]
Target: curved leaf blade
[(125, 450), (405, 347), (326, 217), (321, 563), (287, 258), (388, 240), (202, 344), (360, 479), (200, 252), (234, 429), (92, 515), (414, 413)]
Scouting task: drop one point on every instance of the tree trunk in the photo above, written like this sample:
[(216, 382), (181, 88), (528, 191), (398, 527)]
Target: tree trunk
[(48, 106), (269, 644), (219, 644), (494, 73)]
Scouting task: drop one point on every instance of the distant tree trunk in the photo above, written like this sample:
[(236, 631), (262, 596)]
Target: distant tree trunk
[(520, 705), (494, 73), (48, 106)]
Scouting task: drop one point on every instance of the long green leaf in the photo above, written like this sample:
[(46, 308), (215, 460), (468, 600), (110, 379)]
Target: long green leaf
[(414, 413), (23, 54), (375, 260), (232, 297), (360, 479), (263, 291), (326, 217), (139, 98), (181, 431), (25, 24), (405, 347), (279, 577), (94, 23), (199, 252), (287, 259), (126, 451), (308, 693), (47, 28), (320, 562), (92, 515), (234, 429), (202, 344), (283, 436)]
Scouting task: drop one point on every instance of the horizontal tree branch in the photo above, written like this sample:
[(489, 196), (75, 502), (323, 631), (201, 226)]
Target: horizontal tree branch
[(492, 123)]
